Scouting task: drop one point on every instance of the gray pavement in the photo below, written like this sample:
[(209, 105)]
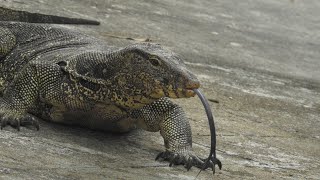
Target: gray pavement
[(259, 59)]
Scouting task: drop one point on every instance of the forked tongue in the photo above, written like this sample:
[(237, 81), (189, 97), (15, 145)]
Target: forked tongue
[(212, 156)]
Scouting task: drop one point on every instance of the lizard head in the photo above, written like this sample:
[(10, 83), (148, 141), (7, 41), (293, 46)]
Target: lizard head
[(159, 71), (135, 75)]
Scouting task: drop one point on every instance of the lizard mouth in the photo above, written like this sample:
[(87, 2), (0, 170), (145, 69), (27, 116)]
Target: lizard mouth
[(169, 91), (181, 93), (189, 92), (189, 87)]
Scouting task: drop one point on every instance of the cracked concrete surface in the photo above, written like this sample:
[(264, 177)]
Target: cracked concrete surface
[(258, 62)]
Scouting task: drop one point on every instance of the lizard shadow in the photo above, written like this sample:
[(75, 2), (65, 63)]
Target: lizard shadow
[(124, 148)]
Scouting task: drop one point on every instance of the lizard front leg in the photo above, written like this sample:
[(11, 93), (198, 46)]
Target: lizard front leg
[(18, 98), (175, 129)]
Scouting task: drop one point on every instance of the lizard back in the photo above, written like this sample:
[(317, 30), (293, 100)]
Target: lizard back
[(21, 43)]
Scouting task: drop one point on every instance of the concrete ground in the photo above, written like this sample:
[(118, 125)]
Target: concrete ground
[(258, 61)]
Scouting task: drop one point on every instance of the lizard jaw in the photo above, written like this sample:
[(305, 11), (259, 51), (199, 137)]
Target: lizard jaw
[(170, 91), (174, 93), (190, 86)]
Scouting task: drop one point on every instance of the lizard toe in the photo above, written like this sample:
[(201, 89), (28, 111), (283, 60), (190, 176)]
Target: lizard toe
[(4, 122), (17, 122), (188, 165), (12, 121), (30, 120), (176, 159), (188, 160)]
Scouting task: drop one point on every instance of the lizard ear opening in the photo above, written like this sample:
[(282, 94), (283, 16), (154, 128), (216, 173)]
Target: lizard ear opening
[(62, 65)]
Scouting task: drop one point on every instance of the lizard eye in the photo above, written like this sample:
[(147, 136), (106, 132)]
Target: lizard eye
[(154, 61)]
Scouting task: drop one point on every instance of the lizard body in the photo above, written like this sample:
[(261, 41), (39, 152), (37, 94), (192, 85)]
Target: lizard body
[(67, 77)]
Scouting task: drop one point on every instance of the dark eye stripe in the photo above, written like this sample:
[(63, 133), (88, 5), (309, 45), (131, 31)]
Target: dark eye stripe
[(89, 85)]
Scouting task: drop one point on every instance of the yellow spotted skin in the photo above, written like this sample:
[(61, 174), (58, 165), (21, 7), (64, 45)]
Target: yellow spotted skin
[(66, 77)]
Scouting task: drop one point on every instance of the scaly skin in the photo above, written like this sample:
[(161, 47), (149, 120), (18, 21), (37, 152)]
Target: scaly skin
[(67, 77), (7, 14)]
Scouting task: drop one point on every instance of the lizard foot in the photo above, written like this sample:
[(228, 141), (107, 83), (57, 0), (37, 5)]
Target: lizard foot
[(188, 160), (17, 122)]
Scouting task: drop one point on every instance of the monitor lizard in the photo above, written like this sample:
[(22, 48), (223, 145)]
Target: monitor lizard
[(63, 76)]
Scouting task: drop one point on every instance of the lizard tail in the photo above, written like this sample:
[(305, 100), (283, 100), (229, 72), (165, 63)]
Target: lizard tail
[(23, 16)]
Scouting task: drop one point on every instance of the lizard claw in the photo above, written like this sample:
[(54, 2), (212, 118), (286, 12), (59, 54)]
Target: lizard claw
[(17, 122), (211, 163), (188, 165), (4, 122), (13, 122), (30, 120), (188, 160)]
